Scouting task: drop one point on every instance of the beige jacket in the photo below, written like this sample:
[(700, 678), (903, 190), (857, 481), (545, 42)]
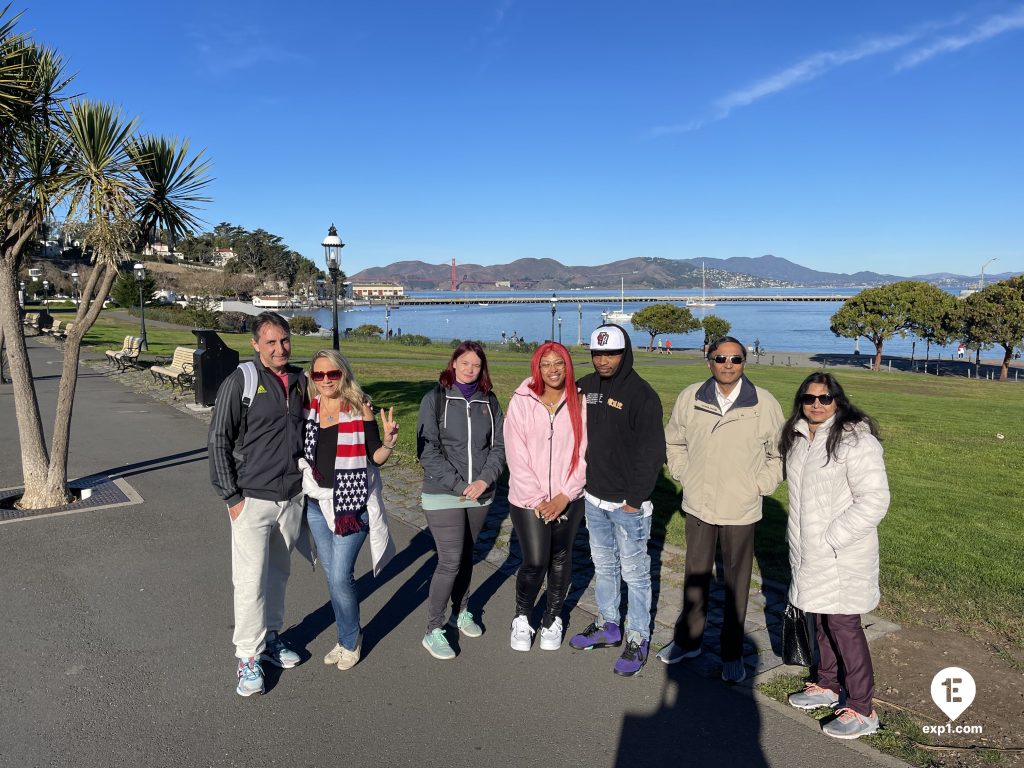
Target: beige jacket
[(725, 463)]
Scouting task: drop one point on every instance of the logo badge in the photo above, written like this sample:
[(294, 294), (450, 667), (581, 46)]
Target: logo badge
[(602, 338), (953, 690)]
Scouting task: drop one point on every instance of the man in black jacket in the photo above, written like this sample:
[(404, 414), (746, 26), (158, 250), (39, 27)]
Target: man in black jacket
[(625, 453), (254, 455)]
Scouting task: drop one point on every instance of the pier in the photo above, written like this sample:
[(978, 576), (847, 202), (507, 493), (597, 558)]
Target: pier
[(570, 298)]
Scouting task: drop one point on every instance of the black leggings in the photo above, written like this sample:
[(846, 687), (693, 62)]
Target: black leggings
[(547, 550)]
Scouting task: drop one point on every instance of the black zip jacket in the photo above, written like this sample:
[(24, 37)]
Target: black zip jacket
[(625, 434), (265, 464)]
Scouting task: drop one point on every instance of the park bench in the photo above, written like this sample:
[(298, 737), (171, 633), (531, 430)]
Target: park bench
[(61, 335), (127, 355), (54, 330), (178, 371), (31, 320), (40, 322)]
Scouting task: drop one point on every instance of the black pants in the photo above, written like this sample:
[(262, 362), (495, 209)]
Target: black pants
[(547, 551), (737, 556)]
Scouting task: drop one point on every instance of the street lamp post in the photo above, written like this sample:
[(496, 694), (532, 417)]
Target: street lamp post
[(981, 283), (332, 254), (559, 330), (21, 294), (46, 291), (554, 311), (387, 320), (140, 278), (74, 282), (579, 326)]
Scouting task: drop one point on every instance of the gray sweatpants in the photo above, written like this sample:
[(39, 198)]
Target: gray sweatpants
[(262, 537), (455, 532)]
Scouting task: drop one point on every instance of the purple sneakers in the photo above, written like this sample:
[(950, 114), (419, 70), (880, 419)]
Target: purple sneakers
[(598, 637), (633, 658)]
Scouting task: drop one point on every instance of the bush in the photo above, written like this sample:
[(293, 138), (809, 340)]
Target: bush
[(412, 340), (233, 322), (456, 342), (367, 331), (304, 324), (200, 316)]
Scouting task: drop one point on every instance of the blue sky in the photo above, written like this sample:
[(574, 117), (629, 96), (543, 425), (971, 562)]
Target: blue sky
[(843, 136)]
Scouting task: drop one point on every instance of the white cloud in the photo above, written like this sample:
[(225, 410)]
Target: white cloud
[(989, 28)]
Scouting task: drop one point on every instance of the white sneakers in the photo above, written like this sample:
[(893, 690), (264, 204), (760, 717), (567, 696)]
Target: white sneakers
[(522, 634), (551, 637)]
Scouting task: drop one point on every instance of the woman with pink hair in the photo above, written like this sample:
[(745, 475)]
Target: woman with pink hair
[(545, 446)]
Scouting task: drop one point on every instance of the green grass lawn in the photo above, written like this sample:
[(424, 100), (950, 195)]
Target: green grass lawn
[(952, 544)]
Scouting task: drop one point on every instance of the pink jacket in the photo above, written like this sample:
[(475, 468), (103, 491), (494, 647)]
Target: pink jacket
[(538, 449)]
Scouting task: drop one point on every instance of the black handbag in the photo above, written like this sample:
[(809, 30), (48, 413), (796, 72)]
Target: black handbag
[(797, 645)]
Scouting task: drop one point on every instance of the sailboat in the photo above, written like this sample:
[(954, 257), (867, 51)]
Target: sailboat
[(620, 315), (703, 292)]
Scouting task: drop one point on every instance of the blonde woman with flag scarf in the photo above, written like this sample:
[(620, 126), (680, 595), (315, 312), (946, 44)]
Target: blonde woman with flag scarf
[(342, 449)]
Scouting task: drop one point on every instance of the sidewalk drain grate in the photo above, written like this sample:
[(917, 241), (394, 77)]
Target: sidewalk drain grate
[(106, 492)]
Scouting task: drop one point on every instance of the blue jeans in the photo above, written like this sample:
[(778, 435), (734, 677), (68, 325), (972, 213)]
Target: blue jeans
[(618, 546), (337, 555)]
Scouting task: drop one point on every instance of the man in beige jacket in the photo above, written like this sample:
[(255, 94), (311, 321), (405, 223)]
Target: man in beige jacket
[(723, 445)]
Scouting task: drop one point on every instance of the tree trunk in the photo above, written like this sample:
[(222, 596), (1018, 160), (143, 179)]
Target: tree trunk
[(877, 365), (93, 295), (34, 459), (1004, 373)]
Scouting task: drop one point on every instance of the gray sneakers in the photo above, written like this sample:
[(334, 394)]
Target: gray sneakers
[(279, 654), (673, 654), (851, 725), (734, 671), (813, 696)]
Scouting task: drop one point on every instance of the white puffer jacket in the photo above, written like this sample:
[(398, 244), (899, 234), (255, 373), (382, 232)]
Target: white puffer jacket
[(834, 512)]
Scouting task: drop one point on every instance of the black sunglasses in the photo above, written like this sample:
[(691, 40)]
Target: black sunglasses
[(334, 375), (734, 359), (823, 399)]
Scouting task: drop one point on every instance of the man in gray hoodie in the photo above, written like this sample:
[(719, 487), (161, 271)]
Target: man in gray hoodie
[(254, 455)]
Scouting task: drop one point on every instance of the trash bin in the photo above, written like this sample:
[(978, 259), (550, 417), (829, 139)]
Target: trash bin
[(212, 362)]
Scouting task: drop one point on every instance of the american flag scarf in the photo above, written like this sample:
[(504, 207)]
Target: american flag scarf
[(350, 491)]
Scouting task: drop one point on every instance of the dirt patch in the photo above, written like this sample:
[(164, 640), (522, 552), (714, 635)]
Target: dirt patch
[(905, 663)]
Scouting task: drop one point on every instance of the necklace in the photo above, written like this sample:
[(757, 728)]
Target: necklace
[(330, 418), (552, 407)]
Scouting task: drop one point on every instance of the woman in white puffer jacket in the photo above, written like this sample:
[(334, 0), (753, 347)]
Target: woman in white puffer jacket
[(838, 494)]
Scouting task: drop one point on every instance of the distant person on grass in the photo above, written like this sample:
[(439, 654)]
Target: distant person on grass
[(460, 444), (545, 444), (625, 453), (254, 455), (838, 494), (722, 445)]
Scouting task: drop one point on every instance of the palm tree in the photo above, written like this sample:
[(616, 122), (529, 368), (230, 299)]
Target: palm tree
[(82, 157)]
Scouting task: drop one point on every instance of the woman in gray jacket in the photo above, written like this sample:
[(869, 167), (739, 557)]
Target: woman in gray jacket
[(462, 452), (838, 494)]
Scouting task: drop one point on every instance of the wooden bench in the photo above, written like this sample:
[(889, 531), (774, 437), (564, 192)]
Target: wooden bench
[(179, 371), (36, 321), (54, 330), (114, 354), (61, 335), (127, 355)]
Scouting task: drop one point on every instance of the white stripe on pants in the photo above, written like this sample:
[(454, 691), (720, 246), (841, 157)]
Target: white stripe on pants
[(262, 537)]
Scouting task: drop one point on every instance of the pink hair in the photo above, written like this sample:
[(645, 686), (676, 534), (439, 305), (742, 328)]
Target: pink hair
[(572, 399)]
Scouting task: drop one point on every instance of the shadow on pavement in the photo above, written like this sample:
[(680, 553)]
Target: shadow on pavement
[(697, 722)]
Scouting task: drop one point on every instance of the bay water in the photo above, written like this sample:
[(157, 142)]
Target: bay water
[(782, 326)]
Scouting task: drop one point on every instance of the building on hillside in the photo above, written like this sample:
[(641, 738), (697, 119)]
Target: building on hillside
[(506, 284), (221, 256), (373, 290)]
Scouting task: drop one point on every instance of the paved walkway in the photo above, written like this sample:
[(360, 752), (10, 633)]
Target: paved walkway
[(117, 639)]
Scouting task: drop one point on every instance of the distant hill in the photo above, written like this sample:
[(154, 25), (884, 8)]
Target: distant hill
[(639, 273)]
